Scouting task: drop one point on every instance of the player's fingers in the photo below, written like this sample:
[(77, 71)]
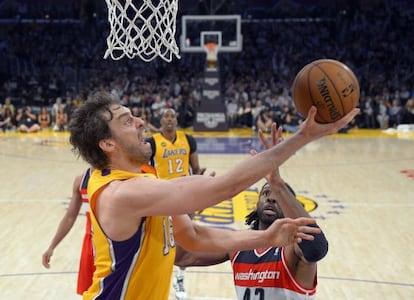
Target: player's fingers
[(263, 139), (274, 133), (279, 136), (334, 127), (298, 240), (312, 113), (304, 236), (309, 229), (304, 221), (348, 117)]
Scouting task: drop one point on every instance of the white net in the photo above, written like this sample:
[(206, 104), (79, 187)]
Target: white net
[(147, 31)]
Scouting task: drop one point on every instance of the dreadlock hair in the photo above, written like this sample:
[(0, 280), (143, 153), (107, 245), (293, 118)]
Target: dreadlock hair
[(252, 219)]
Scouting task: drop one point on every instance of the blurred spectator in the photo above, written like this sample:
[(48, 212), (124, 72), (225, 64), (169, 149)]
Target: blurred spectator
[(368, 111), (275, 110), (264, 120), (246, 115), (136, 111), (10, 105), (44, 118), (5, 119), (395, 113), (187, 114), (291, 119), (257, 108), (155, 118), (232, 109), (382, 113), (407, 113), (148, 125), (27, 120), (61, 120), (56, 107), (69, 107), (159, 103)]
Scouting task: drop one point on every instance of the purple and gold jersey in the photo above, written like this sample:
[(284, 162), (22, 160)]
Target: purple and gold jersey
[(137, 268), (172, 159)]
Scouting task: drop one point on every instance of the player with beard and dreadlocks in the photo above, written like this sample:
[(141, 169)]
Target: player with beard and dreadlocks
[(288, 272)]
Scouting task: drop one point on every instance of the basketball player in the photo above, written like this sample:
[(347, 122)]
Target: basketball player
[(86, 266), (174, 154), (287, 272), (133, 233)]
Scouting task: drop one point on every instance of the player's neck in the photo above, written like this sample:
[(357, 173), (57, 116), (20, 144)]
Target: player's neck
[(126, 165), (171, 136)]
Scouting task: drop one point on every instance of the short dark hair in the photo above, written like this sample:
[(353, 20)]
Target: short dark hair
[(89, 125), (252, 219), (163, 111)]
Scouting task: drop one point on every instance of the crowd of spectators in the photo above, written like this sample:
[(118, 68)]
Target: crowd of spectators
[(44, 62)]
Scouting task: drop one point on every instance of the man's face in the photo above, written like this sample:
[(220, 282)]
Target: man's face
[(169, 120), (268, 209), (128, 133)]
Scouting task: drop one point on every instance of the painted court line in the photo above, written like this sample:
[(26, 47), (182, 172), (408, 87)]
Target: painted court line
[(226, 273)]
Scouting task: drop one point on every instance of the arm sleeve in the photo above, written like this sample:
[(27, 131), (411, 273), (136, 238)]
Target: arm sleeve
[(315, 250), (192, 142)]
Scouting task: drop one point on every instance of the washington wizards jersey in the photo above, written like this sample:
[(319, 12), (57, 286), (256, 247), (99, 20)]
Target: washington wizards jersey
[(264, 275), (83, 188), (86, 264)]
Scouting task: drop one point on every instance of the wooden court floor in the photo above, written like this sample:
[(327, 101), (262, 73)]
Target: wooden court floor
[(360, 187)]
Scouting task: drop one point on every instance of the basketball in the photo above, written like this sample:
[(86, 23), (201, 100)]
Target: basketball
[(330, 86)]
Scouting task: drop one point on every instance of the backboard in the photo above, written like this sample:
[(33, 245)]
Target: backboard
[(223, 30)]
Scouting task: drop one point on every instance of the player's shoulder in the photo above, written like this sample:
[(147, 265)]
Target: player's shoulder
[(188, 136)]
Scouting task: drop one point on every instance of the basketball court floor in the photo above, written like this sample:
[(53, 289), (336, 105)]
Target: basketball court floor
[(359, 186)]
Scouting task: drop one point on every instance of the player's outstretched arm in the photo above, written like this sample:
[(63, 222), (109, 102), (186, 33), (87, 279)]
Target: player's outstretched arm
[(194, 237), (66, 223), (308, 251), (192, 193), (185, 258)]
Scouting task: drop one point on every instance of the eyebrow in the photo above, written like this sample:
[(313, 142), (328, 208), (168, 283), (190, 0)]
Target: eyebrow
[(122, 115)]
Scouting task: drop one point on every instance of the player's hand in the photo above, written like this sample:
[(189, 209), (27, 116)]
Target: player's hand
[(46, 258), (276, 138), (288, 231), (313, 130)]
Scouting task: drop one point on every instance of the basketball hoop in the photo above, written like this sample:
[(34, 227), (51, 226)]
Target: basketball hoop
[(147, 31), (211, 50)]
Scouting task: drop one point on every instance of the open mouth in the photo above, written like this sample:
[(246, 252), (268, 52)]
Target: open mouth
[(269, 210)]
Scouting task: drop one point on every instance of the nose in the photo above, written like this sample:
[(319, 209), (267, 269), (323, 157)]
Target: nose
[(270, 200), (139, 122)]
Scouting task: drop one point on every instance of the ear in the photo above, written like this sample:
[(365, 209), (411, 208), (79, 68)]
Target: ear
[(107, 145)]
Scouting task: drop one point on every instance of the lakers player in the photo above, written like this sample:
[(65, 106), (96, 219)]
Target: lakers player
[(174, 154)]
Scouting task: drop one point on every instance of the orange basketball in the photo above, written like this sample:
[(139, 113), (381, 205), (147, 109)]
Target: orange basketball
[(330, 86)]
